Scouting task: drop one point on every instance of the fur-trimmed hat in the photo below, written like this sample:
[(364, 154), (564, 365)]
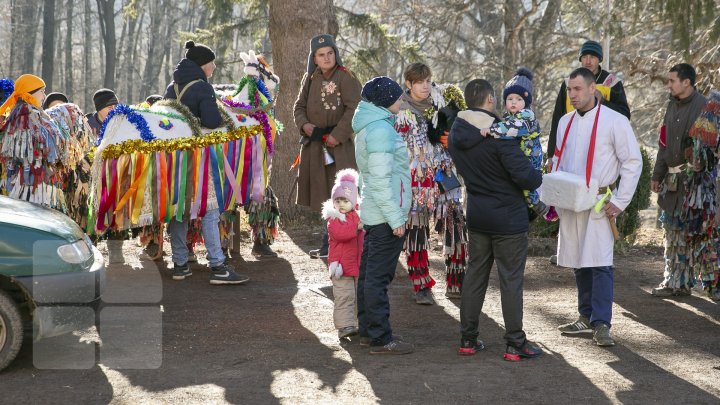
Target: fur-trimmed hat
[(346, 185), (54, 97), (104, 98), (199, 53), (591, 48), (318, 42), (520, 84)]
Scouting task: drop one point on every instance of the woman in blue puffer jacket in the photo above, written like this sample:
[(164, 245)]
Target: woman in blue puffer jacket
[(382, 157)]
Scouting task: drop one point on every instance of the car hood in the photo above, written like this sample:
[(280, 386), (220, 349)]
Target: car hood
[(22, 213)]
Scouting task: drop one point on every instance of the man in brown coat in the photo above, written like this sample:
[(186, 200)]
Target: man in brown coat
[(669, 176), (323, 112)]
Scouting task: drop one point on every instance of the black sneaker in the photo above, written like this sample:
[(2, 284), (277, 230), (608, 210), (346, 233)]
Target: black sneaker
[(528, 350), (180, 271), (601, 336), (263, 250), (394, 347), (225, 274), (469, 347), (365, 340)]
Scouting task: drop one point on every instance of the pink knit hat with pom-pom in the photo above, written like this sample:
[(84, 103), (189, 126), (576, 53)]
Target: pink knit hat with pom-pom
[(346, 185)]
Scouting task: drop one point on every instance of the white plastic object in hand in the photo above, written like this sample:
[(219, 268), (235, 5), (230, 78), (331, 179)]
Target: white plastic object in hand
[(336, 270), (568, 191)]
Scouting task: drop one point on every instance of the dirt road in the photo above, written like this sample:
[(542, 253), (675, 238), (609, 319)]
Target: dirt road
[(272, 341)]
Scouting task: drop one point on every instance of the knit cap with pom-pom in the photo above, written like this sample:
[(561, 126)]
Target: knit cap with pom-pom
[(346, 185), (520, 84), (199, 53)]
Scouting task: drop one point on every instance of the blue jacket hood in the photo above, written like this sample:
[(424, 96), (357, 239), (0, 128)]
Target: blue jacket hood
[(187, 71), (367, 113)]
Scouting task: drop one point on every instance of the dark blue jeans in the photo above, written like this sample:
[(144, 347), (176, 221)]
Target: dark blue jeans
[(381, 250), (595, 293)]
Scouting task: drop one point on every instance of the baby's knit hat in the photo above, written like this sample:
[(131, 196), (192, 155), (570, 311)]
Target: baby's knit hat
[(346, 185), (520, 84)]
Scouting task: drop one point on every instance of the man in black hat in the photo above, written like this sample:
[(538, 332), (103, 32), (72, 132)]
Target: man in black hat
[(324, 108), (191, 88), (610, 91), (105, 100), (190, 84)]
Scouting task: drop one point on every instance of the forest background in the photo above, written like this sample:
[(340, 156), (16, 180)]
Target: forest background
[(132, 46)]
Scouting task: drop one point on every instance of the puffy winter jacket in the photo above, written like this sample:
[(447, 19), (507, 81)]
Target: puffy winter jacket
[(382, 159), (199, 97), (345, 240), (495, 172)]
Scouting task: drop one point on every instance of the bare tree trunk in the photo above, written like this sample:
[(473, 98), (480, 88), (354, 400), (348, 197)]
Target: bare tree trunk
[(48, 43), (292, 24), (69, 81), (87, 56), (106, 11), (157, 12)]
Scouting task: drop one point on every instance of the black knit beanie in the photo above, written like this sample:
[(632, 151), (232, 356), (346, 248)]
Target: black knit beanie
[(382, 91), (153, 98), (591, 48), (103, 98), (199, 53), (54, 97)]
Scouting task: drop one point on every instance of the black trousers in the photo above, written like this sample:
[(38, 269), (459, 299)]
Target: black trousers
[(381, 250), (510, 253)]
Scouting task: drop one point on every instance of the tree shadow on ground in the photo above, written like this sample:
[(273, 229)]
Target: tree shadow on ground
[(680, 324), (436, 373), (242, 343)]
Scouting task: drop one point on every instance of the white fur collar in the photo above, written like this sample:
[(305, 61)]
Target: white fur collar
[(478, 119)]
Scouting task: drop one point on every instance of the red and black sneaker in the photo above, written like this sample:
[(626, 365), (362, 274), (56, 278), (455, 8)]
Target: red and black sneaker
[(468, 347), (528, 350)]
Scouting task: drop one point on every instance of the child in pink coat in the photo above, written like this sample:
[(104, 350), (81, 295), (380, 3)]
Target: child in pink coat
[(345, 233)]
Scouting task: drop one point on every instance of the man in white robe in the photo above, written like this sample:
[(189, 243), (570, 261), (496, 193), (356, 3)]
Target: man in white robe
[(586, 239)]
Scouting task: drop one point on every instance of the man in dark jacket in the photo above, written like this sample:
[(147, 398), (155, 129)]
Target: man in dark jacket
[(191, 88), (610, 91), (669, 177), (190, 84), (495, 172)]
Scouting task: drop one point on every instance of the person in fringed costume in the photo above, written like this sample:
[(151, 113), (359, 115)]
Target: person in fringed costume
[(71, 121), (34, 149), (426, 116), (257, 85), (6, 89), (669, 178), (701, 202)]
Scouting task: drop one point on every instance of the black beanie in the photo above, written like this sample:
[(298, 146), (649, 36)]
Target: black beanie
[(103, 98), (153, 98), (199, 53), (382, 91), (591, 48), (54, 97)]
